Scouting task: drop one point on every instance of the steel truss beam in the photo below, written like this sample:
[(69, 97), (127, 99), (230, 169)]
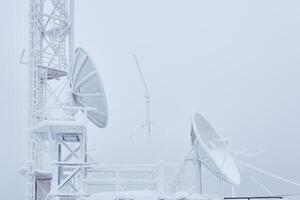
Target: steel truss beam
[(51, 46), (70, 164)]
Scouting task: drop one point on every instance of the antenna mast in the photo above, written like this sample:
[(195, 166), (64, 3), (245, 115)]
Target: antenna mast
[(148, 122)]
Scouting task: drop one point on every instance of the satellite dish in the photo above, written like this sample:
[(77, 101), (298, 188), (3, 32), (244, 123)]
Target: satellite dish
[(213, 151), (87, 89)]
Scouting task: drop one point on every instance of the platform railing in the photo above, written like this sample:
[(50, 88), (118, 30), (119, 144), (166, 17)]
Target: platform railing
[(125, 177)]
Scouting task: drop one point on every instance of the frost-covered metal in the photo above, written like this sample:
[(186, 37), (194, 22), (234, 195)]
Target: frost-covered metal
[(87, 89), (56, 148), (59, 166), (213, 151)]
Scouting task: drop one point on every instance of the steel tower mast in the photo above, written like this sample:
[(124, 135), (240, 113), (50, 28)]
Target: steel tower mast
[(56, 152), (51, 46)]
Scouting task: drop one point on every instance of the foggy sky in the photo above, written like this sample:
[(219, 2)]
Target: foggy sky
[(236, 62)]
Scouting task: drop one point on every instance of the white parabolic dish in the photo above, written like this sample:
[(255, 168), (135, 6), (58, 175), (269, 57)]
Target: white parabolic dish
[(87, 88), (212, 151)]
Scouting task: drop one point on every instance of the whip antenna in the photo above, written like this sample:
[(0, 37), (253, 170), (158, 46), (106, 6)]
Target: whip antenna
[(148, 122)]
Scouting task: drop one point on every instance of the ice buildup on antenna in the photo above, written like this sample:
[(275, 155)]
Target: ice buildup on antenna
[(212, 151)]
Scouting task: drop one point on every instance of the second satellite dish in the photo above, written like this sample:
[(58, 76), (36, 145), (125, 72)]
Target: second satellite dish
[(213, 151), (87, 88)]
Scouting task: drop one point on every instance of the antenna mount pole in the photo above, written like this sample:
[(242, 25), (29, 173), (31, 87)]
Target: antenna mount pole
[(147, 97)]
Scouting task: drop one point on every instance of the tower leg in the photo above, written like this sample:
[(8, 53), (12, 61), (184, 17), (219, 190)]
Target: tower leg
[(198, 176), (232, 191)]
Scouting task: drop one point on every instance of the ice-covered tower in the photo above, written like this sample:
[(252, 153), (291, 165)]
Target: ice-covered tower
[(56, 147)]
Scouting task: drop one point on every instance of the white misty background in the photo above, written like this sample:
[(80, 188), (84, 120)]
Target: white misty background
[(236, 62)]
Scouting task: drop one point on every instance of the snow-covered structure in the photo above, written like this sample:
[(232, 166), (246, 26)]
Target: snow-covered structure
[(64, 82)]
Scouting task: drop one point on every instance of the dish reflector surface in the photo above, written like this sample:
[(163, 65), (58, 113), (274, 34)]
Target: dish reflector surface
[(87, 88), (213, 151)]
